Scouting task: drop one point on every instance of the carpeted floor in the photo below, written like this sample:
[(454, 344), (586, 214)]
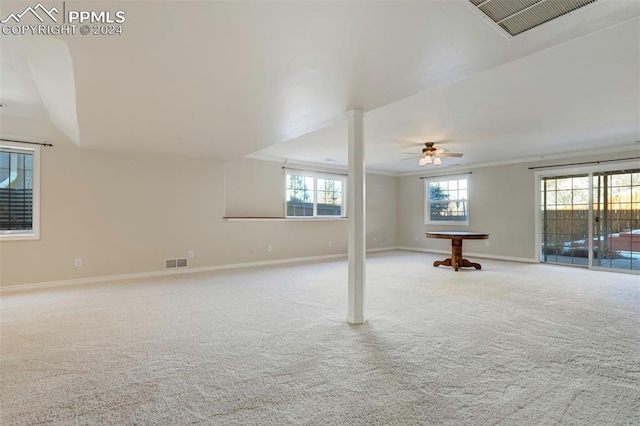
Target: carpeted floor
[(511, 344)]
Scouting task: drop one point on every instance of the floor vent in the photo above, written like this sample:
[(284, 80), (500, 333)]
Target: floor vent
[(175, 263), (518, 16)]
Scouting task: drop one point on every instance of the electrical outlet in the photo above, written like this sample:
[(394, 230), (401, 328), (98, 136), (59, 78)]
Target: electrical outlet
[(415, 238), (330, 244), (269, 248), (486, 243), (252, 250), (375, 239), (192, 254), (77, 262)]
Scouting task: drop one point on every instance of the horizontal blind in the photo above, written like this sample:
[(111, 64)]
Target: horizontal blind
[(16, 189)]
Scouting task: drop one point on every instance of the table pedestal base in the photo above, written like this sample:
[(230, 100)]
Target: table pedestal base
[(456, 259), (461, 263)]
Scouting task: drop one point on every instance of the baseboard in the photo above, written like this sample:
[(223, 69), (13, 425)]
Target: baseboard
[(377, 250), (164, 273), (472, 254)]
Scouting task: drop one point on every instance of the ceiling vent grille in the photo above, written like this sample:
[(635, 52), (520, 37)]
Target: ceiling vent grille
[(518, 16)]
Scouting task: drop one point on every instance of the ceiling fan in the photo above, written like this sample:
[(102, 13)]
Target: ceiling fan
[(432, 155)]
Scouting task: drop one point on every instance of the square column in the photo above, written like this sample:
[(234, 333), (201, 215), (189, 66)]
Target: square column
[(356, 209)]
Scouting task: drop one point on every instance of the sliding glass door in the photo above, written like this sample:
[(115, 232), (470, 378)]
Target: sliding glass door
[(591, 219)]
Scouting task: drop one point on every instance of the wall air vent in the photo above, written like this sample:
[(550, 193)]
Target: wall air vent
[(175, 263), (518, 16)]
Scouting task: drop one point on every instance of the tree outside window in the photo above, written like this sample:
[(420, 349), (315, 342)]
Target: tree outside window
[(446, 200), (311, 195)]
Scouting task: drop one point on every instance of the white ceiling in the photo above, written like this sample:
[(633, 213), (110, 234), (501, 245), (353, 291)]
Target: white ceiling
[(18, 87), (274, 80)]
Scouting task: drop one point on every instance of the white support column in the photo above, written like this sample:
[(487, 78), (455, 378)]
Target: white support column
[(357, 217)]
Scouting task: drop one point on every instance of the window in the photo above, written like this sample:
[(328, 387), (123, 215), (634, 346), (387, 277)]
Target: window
[(19, 197), (315, 195), (447, 200)]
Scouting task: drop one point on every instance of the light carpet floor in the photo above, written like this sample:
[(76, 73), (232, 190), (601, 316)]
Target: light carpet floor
[(511, 344)]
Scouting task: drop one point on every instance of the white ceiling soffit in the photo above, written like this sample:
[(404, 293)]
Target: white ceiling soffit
[(37, 83), (18, 91), (518, 16), (52, 70)]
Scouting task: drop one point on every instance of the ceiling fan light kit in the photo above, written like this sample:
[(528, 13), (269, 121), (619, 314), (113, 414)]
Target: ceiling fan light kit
[(424, 160), (431, 155)]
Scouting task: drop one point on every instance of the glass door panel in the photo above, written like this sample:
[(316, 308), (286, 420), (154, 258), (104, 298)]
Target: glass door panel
[(565, 220), (616, 219)]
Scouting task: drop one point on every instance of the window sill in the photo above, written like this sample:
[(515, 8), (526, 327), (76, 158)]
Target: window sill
[(446, 223), (288, 219), (18, 237)]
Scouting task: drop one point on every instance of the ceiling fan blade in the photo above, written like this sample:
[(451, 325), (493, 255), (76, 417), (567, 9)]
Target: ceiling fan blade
[(410, 158), (447, 154)]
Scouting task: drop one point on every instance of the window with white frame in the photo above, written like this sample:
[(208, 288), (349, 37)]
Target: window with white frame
[(19, 191), (311, 194), (447, 200)]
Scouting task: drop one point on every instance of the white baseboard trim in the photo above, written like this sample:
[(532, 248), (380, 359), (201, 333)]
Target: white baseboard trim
[(377, 250), (164, 273), (471, 254)]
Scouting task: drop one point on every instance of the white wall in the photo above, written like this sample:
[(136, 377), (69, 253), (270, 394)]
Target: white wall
[(256, 188), (126, 214), (501, 203), (120, 214)]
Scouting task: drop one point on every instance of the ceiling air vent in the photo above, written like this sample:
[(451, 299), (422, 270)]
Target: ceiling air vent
[(518, 16)]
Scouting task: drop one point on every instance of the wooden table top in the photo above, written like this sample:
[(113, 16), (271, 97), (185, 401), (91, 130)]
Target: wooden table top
[(458, 234)]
